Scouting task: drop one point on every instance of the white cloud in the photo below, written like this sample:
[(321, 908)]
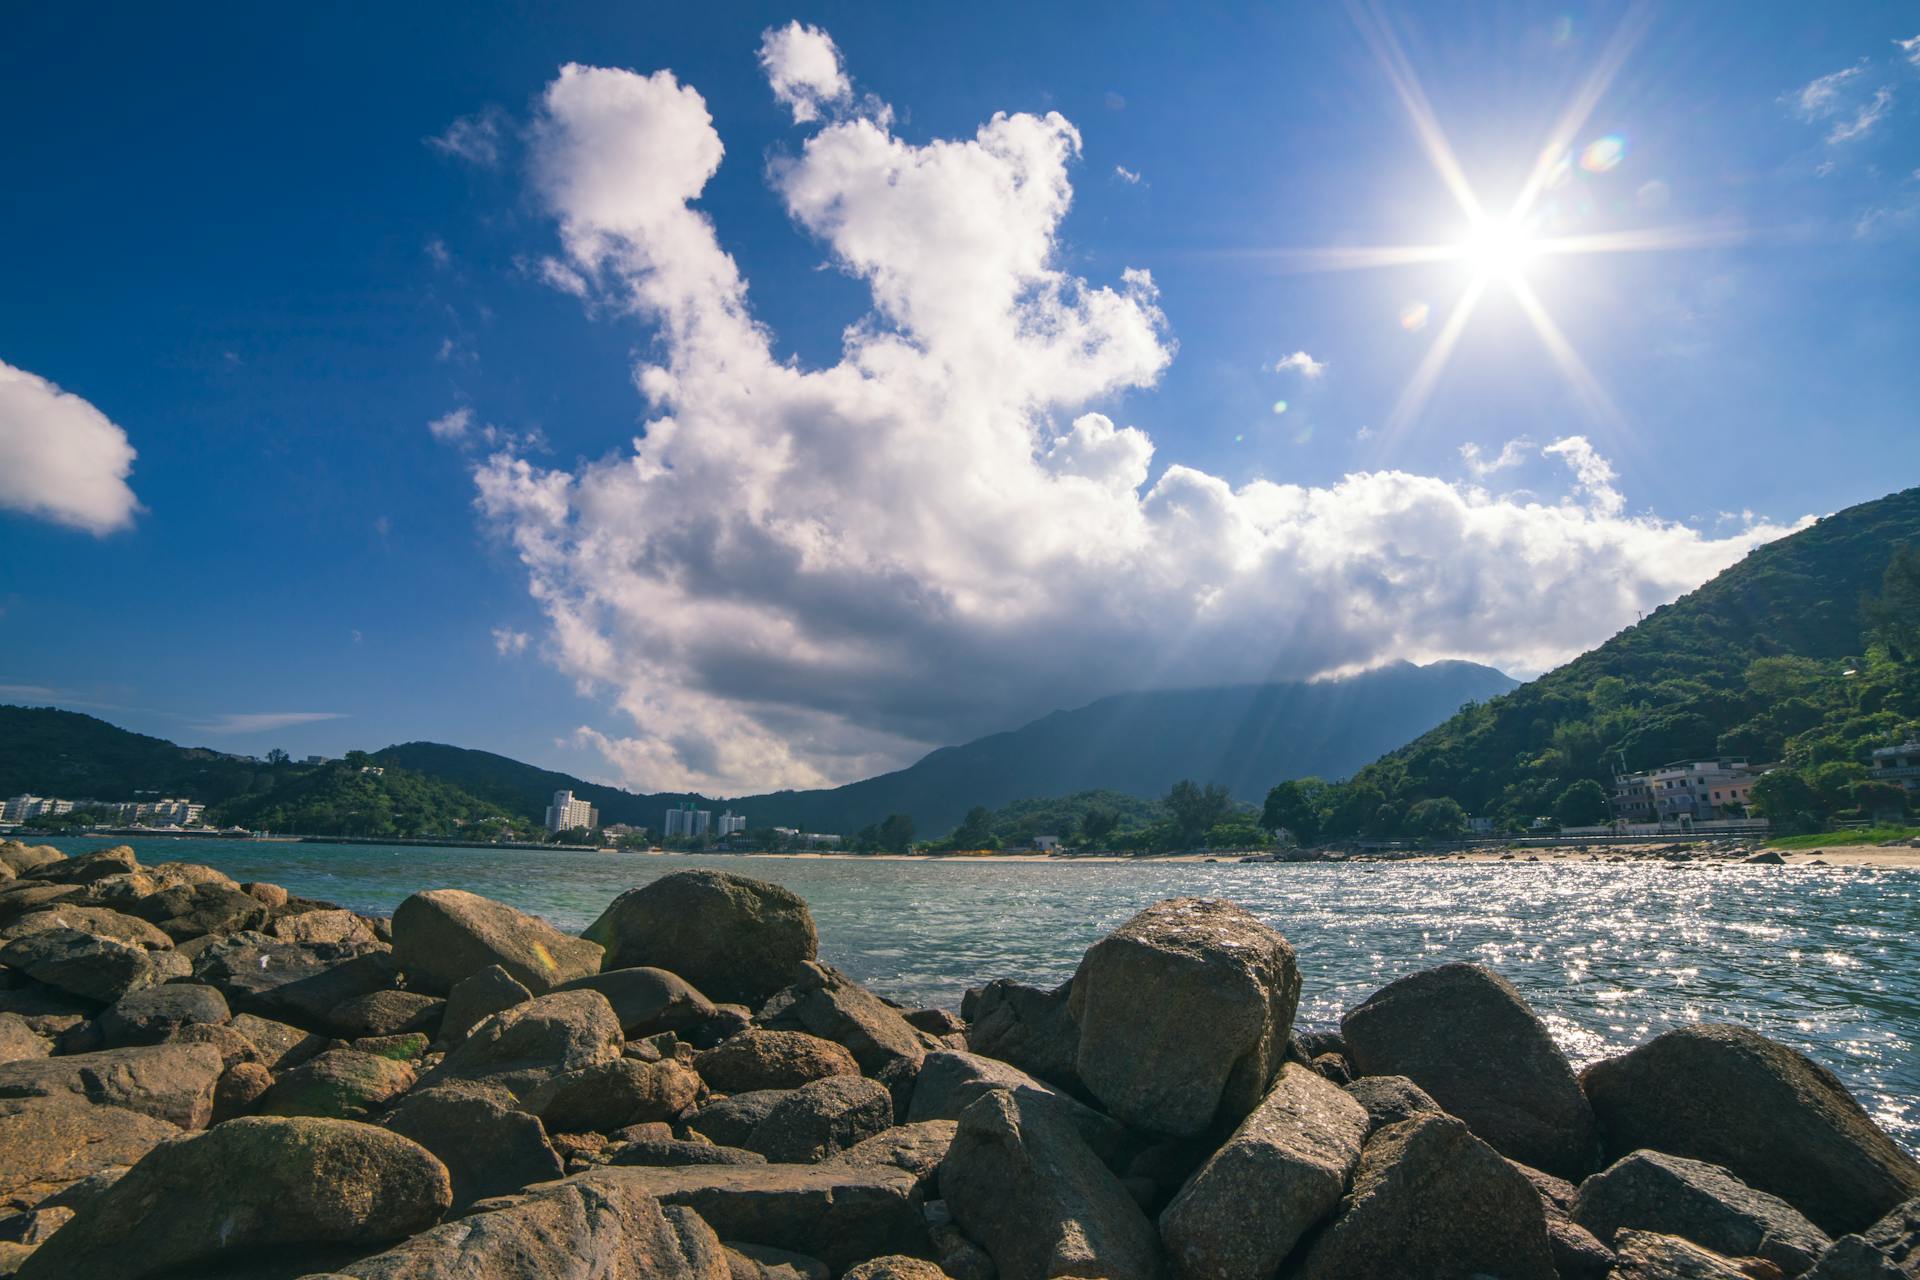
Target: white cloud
[(1911, 48), (1864, 118), (264, 721), (474, 139), (1512, 454), (509, 643), (803, 68), (1820, 97), (451, 426), (61, 459), (1126, 175), (1303, 364), (797, 576)]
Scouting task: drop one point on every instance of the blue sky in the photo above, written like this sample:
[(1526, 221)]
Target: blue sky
[(972, 420)]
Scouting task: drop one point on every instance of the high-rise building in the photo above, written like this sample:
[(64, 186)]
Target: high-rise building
[(566, 813), (731, 822), (685, 820)]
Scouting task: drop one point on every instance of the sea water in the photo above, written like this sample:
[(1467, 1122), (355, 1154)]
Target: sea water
[(1824, 959)]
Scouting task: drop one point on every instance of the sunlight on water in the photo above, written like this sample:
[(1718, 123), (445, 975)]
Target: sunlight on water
[(1825, 959)]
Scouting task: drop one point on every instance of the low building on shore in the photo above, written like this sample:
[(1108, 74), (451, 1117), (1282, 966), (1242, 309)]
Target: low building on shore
[(1686, 791), (1899, 765), (25, 808)]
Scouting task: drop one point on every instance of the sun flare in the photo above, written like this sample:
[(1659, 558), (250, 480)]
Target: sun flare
[(1498, 249)]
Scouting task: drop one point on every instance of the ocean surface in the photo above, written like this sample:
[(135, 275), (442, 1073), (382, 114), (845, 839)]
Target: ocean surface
[(1825, 959)]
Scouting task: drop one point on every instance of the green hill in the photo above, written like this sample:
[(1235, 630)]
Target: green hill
[(63, 753), (1795, 656), (352, 797)]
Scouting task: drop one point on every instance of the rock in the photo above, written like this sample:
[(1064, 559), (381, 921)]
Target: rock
[(759, 1059), (576, 1229), (1771, 1117), (444, 935), (49, 1144), (837, 1214), (822, 1119), (522, 1046), (895, 1267), (17, 900), (1577, 1254), (1281, 1172), (1644, 1255), (936, 1022), (1028, 1027), (1184, 1012), (297, 982), (734, 938), (408, 1046), (1888, 1250), (1766, 857), (251, 1188), (152, 1015), (171, 1082), (777, 1264), (1431, 1199), (387, 1013), (648, 1001), (195, 873), (489, 1146), (80, 964), (1464, 1035), (826, 1003), (335, 925), (610, 1095), (728, 1020), (25, 859), (1674, 1196), (917, 1148), (949, 1083), (18, 1039), (342, 1084), (1391, 1099), (670, 1153), (731, 1121), (476, 998), (240, 1087), (33, 1226), (269, 895), (87, 867), (1073, 1214), (280, 1044), (194, 910), (103, 922)]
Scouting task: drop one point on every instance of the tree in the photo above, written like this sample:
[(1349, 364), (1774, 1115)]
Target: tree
[(1584, 804), (1097, 825), (1237, 832), (1441, 819), (1834, 781), (1196, 810), (895, 835), (1299, 807), (1894, 615), (974, 831), (277, 757), (1786, 799), (1356, 811), (1880, 799)]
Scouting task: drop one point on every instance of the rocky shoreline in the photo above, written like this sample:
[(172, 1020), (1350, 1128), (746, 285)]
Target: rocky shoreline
[(210, 1079)]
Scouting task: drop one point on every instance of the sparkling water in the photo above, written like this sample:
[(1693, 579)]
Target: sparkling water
[(1825, 959)]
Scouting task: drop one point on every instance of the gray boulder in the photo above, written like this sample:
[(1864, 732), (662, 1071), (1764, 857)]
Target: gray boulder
[(1888, 1250), (731, 1121), (1647, 1255), (761, 1059), (329, 924), (154, 1014), (387, 1013), (917, 1148), (476, 998), (736, 939), (48, 1145), (1431, 1199), (822, 1119), (1283, 1171), (102, 922), (825, 1002), (1027, 1026), (171, 1082), (250, 1189), (951, 1082), (1674, 1196), (343, 1084), (444, 935), (1770, 1116), (1577, 1253), (1391, 1099), (81, 964), (610, 1095), (278, 1045), (298, 982), (1020, 1182), (647, 1001), (522, 1047), (489, 1146), (1184, 1012), (1465, 1036), (671, 1153)]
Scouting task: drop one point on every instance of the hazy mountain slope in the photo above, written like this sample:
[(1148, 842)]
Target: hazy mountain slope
[(50, 752)]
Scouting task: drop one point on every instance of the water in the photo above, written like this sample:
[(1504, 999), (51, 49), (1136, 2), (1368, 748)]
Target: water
[(1825, 959)]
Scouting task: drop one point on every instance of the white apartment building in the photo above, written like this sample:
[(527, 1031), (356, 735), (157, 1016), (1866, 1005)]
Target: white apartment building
[(25, 808), (567, 813), (1686, 790), (160, 813), (729, 823), (685, 820), (1899, 765)]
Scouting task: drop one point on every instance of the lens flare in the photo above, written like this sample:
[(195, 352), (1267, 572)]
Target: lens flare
[(1603, 155), (1279, 406), (1414, 316)]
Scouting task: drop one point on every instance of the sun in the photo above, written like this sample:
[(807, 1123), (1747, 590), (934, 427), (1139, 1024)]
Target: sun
[(1498, 249)]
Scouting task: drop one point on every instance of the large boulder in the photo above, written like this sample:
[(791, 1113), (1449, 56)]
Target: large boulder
[(478, 997), (1184, 1012), (824, 1002), (19, 1040), (489, 1146), (298, 982), (1648, 1255), (738, 940), (87, 867), (1465, 1036), (731, 1121), (335, 924), (577, 1229), (278, 1045), (1770, 1116), (27, 897), (1671, 1195), (1391, 1099), (344, 1084), (444, 935), (186, 911), (648, 1001), (1430, 1199), (611, 1095), (27, 859), (1887, 1250), (522, 1047), (1027, 1026), (387, 1013), (171, 1082), (49, 1144), (950, 1082), (761, 1059), (838, 1214), (81, 964), (917, 1148), (1283, 1170), (252, 1188), (102, 922), (1021, 1183), (154, 1014), (822, 1119)]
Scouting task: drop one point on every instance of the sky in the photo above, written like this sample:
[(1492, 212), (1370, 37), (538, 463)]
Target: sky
[(759, 398)]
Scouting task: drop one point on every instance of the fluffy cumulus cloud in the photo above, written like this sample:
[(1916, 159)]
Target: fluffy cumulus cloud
[(61, 459), (794, 576), (803, 68), (1301, 363), (1512, 454)]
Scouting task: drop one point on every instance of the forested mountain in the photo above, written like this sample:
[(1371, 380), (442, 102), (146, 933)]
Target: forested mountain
[(63, 753)]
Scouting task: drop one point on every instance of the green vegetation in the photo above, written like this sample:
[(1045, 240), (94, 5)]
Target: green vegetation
[(1189, 816), (1852, 836), (351, 797)]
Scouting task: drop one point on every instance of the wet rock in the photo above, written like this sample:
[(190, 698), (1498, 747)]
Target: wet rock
[(734, 938), (1028, 1027), (297, 982), (19, 1040), (489, 1146), (1072, 1215), (1888, 1250), (670, 1153), (760, 1059), (522, 1047), (444, 935), (1184, 1012), (822, 1119), (478, 997), (171, 1082), (1281, 1172), (1645, 1255), (1770, 1116), (1465, 1036), (610, 1095), (648, 1001), (837, 1214), (241, 1086), (252, 1188), (103, 922), (949, 1083), (80, 964), (1674, 1196), (47, 1145), (731, 1121), (825, 1002), (154, 1014), (279, 1044), (342, 1084), (1431, 1199), (1391, 1099), (387, 1013)]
